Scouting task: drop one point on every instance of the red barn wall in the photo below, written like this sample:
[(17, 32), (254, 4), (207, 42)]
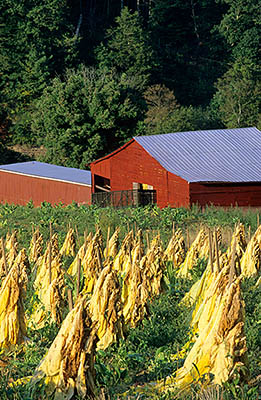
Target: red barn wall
[(227, 194), (20, 189), (133, 164)]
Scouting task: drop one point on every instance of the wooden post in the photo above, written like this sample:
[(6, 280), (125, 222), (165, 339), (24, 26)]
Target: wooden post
[(70, 302), (4, 255), (130, 253), (230, 234), (148, 240), (50, 262), (210, 250), (232, 270), (257, 219), (173, 228), (107, 242), (77, 234), (217, 250), (139, 248), (188, 244), (50, 253), (78, 275), (34, 243), (51, 230), (99, 258), (13, 244)]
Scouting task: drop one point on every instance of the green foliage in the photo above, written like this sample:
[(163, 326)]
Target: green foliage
[(31, 33), (183, 48), (188, 48), (237, 99), (86, 115), (252, 297), (241, 27), (127, 49), (145, 354)]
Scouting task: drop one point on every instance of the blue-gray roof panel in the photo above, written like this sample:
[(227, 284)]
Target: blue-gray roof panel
[(225, 155), (50, 171)]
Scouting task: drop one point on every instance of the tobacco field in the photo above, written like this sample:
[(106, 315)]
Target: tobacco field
[(135, 303)]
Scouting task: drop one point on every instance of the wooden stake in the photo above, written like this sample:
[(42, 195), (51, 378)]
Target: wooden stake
[(230, 235), (13, 245), (51, 230), (217, 250), (77, 234), (139, 248), (99, 259), (130, 254), (4, 255), (78, 275), (70, 302), (50, 262), (188, 244), (232, 270), (257, 219), (173, 228), (34, 242), (210, 250), (107, 242), (148, 239)]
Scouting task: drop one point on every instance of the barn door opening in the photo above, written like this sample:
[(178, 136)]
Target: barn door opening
[(101, 184), (143, 194)]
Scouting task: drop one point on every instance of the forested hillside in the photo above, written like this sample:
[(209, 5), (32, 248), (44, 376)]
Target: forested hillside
[(80, 78)]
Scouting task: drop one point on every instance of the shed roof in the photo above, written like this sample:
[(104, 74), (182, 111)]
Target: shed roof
[(222, 155), (49, 171)]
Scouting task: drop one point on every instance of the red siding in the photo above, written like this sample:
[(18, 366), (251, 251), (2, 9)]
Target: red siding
[(243, 195), (20, 189), (133, 164), (178, 190)]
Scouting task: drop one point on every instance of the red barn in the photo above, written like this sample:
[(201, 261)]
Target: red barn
[(219, 167), (39, 182)]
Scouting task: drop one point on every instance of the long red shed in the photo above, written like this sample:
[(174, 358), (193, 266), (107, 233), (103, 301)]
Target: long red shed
[(39, 182), (219, 167)]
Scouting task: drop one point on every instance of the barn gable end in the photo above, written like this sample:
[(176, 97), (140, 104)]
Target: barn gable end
[(132, 164)]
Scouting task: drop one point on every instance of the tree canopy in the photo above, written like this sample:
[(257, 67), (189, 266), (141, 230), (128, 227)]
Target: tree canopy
[(81, 78)]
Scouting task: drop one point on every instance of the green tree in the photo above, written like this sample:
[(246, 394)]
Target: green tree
[(37, 42), (191, 53), (165, 115), (185, 118), (127, 49), (237, 99), (241, 27), (85, 116), (161, 103)]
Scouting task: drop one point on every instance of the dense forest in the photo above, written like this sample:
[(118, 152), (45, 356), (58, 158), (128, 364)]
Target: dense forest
[(79, 78)]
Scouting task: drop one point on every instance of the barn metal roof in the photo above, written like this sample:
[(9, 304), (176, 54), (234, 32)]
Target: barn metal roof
[(49, 171), (223, 155)]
